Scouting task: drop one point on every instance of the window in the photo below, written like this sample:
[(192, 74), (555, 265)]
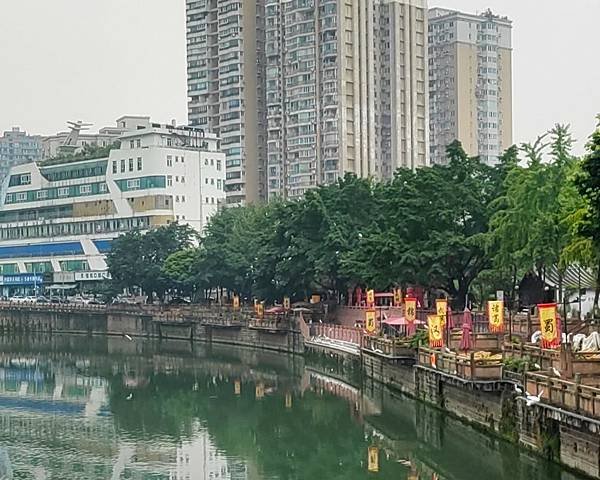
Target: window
[(103, 188), (169, 181), (169, 161), (218, 183), (25, 179), (206, 180), (176, 178), (182, 198), (9, 198), (139, 163), (169, 142), (122, 165), (63, 192), (182, 159), (177, 198), (182, 179), (176, 159), (21, 197), (133, 184), (219, 165), (131, 144), (206, 161), (131, 164), (41, 194), (212, 200), (115, 168), (85, 189), (206, 199), (212, 162), (138, 143)]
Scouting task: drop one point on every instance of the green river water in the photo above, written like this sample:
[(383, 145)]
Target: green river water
[(107, 408)]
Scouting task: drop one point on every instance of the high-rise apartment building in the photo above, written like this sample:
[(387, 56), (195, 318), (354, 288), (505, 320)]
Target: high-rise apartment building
[(346, 90), (470, 83), (16, 147), (225, 50), (301, 92)]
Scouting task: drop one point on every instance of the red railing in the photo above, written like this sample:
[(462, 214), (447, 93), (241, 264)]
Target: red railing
[(337, 332)]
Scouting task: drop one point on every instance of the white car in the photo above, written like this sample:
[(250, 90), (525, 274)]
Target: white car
[(17, 299), (30, 299)]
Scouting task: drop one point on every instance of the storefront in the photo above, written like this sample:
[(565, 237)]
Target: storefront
[(21, 284)]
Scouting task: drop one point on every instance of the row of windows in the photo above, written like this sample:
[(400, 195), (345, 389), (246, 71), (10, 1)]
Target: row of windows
[(139, 163), (177, 160), (57, 193), (73, 228)]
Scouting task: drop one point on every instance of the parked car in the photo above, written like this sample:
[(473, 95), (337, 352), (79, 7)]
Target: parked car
[(30, 299), (42, 299), (17, 299)]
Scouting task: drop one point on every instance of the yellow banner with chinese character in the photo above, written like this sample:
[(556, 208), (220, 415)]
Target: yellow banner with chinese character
[(397, 297), (259, 390), (260, 310), (410, 309), (436, 331), (549, 325), (441, 308), (496, 316), (371, 321), (370, 298), (373, 459), (286, 303), (237, 387), (236, 302), (288, 400)]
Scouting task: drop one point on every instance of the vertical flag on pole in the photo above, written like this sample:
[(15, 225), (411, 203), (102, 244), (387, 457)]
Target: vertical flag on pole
[(370, 298), (436, 331), (549, 325), (286, 303), (260, 310), (397, 297), (371, 321), (410, 314), (496, 316), (236, 302), (237, 387), (441, 307)]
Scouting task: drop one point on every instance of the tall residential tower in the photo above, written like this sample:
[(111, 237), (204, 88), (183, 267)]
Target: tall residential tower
[(225, 51), (303, 91), (470, 83)]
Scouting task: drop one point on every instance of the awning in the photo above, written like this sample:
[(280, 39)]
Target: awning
[(62, 287)]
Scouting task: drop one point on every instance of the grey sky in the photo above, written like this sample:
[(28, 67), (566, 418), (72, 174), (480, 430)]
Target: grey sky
[(94, 60)]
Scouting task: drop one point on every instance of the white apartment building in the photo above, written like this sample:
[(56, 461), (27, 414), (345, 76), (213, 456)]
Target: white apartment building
[(470, 83), (225, 51), (346, 91), (61, 216)]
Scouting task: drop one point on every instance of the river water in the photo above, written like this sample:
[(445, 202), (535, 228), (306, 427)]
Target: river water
[(107, 408)]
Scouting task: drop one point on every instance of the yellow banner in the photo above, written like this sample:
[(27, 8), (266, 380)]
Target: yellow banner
[(397, 297), (436, 331), (237, 387), (496, 316), (236, 302), (260, 310), (410, 309), (373, 457), (371, 321), (441, 307), (260, 390), (315, 299), (288, 400), (286, 303), (370, 298), (549, 325)]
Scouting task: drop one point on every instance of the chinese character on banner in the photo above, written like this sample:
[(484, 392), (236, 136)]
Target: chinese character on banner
[(397, 297), (549, 325), (373, 457), (441, 307), (286, 303), (496, 316), (370, 298), (237, 387), (371, 321), (260, 310), (236, 302), (436, 331), (410, 309)]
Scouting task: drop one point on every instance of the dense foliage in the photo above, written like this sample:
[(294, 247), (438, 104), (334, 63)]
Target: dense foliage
[(465, 228)]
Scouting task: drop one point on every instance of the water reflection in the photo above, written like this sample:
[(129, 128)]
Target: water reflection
[(107, 408)]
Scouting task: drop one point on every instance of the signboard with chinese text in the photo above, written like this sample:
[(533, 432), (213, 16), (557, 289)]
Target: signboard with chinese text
[(496, 316), (397, 297), (286, 303), (436, 331), (237, 387), (410, 309), (371, 321), (441, 308), (373, 459), (92, 276), (549, 325), (370, 298)]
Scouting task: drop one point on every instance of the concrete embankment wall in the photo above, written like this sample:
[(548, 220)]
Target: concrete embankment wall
[(16, 320)]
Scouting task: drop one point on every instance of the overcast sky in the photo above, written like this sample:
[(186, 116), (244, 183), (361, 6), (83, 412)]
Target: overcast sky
[(95, 60)]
